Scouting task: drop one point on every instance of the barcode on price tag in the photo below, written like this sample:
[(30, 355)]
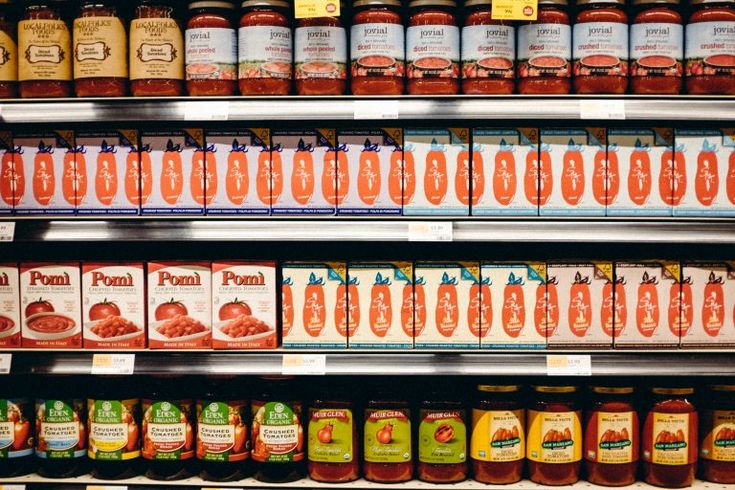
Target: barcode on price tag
[(5, 362), (568, 365), (113, 363), (299, 364), (7, 231), (430, 231)]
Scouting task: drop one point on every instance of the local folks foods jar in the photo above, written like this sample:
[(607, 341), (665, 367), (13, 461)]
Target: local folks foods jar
[(9, 50)]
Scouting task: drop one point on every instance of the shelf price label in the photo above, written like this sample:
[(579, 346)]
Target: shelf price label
[(304, 364), (568, 365), (307, 9), (113, 363), (515, 9), (602, 109), (12, 487), (430, 231), (5, 362), (107, 487), (206, 111), (376, 109), (7, 231)]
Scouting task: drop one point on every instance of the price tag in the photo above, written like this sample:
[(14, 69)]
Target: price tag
[(107, 487), (306, 9), (7, 231), (304, 364), (430, 231), (222, 488), (12, 487), (568, 365), (602, 109), (376, 109), (5, 362), (207, 111), (515, 9), (113, 363)]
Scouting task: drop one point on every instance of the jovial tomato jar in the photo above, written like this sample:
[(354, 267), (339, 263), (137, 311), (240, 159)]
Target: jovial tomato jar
[(17, 411), (717, 447), (320, 56), (8, 43), (669, 440), (710, 47), (611, 437), (387, 448), (333, 443), (442, 440)]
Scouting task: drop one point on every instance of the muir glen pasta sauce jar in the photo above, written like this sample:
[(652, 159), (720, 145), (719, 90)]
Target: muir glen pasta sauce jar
[(717, 447), (710, 47)]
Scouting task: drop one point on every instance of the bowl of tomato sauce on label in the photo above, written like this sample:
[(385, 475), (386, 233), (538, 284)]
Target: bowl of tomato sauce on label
[(433, 64), (50, 325), (6, 326), (547, 62)]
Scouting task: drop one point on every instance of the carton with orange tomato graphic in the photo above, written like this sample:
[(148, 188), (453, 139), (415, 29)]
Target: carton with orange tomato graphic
[(173, 173), (437, 172), (113, 305), (381, 306), (573, 177), (505, 172), (111, 162), (244, 305), (314, 304), (514, 304), (9, 306), (450, 304), (9, 185), (710, 317), (240, 163), (304, 172), (374, 172), (179, 305)]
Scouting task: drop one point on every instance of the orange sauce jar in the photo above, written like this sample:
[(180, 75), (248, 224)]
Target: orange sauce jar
[(387, 435), (320, 56), (717, 447), (333, 443), (211, 49), (8, 52), (710, 47)]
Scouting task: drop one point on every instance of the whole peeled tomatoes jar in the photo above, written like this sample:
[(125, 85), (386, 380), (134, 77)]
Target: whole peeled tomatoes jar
[(320, 56), (387, 451), (554, 449), (710, 47), (600, 48), (717, 446), (670, 438), (656, 48), (433, 48), (333, 444), (211, 49), (442, 445), (611, 437), (8, 52), (17, 415), (222, 435)]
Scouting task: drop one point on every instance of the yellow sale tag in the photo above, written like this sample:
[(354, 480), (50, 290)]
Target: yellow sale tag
[(306, 9), (515, 9)]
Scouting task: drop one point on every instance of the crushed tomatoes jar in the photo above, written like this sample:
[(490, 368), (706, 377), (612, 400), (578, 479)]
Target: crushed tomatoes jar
[(717, 448), (211, 49), (611, 437), (710, 47), (387, 451), (320, 56), (442, 441), (333, 442), (9, 51)]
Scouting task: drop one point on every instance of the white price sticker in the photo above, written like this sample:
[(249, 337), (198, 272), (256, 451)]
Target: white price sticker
[(7, 231), (12, 487), (430, 231), (602, 109), (298, 364), (376, 109), (222, 488), (6, 360), (107, 487), (568, 365), (113, 363), (206, 111)]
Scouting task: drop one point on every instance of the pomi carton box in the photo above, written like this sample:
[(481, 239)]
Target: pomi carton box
[(11, 173), (179, 305), (51, 305), (712, 292), (113, 303), (244, 305), (9, 306)]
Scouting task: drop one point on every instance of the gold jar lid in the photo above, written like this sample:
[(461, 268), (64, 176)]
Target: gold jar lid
[(499, 388), (722, 387), (555, 389), (613, 390), (673, 391)]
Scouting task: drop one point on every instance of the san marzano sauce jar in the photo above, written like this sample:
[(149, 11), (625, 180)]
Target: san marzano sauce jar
[(717, 448)]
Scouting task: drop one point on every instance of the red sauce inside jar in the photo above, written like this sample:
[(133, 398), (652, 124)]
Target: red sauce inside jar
[(320, 60), (442, 447), (332, 423), (717, 446), (432, 48), (8, 42), (387, 423), (211, 64), (708, 70)]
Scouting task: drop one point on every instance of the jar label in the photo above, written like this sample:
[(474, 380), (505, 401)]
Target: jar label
[(668, 442), (8, 58), (62, 433), (442, 437), (331, 436), (168, 433), (554, 437), (321, 52), (710, 48), (488, 51), (377, 49), (656, 49), (113, 432), (271, 59), (221, 431), (387, 436), (16, 438), (498, 435), (432, 51), (211, 54), (719, 443), (610, 437), (156, 50), (544, 50), (278, 434), (600, 48), (100, 48), (46, 46)]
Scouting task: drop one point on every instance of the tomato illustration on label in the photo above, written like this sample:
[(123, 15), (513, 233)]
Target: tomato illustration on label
[(480, 308), (368, 173), (606, 176), (463, 178), (12, 176), (74, 176), (514, 308), (302, 173), (347, 307), (132, 177), (237, 179), (620, 313), (504, 176), (105, 179), (396, 182), (612, 310), (647, 309), (103, 309), (170, 309), (335, 175), (531, 176), (572, 176), (681, 309), (580, 305), (545, 175), (146, 174), (477, 182), (409, 175), (172, 178), (44, 179), (408, 300), (203, 178), (419, 306), (672, 182), (269, 179), (546, 309), (435, 174), (381, 310), (707, 178), (447, 306), (639, 174), (287, 311), (713, 305), (314, 312), (729, 181)]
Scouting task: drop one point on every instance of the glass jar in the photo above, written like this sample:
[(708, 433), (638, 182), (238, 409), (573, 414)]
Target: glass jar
[(156, 50), (717, 446), (545, 51), (100, 50), (670, 438), (44, 70), (9, 50), (320, 56), (333, 443), (16, 458), (432, 48), (498, 434), (611, 437), (442, 441), (710, 47), (387, 451), (657, 48), (554, 449), (211, 49), (488, 51), (600, 49)]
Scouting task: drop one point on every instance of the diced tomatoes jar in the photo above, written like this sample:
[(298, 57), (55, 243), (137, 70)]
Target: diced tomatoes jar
[(9, 50), (656, 48), (17, 414), (333, 444), (377, 48), (211, 49), (611, 437), (554, 449), (545, 51), (320, 56), (387, 451), (498, 434), (717, 447), (432, 48), (600, 48), (442, 441), (710, 47), (670, 438)]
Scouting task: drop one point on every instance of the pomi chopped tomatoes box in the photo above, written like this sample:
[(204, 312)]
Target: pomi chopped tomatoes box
[(712, 309), (9, 306), (179, 305), (113, 303), (244, 305), (11, 181), (51, 305)]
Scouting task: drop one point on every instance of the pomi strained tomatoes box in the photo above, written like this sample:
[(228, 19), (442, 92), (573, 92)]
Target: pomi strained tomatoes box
[(113, 303), (9, 179), (711, 288), (51, 305), (437, 172), (374, 171), (314, 304), (244, 305), (179, 305), (380, 306), (9, 306)]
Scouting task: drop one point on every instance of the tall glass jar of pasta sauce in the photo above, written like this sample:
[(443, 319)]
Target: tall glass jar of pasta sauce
[(488, 51), (709, 50), (387, 441), (16, 444), (545, 51), (442, 439), (554, 448), (8, 51), (377, 48), (670, 438), (717, 446), (498, 446), (44, 70), (600, 47), (657, 48), (156, 50), (100, 50), (432, 48), (211, 49), (333, 444), (611, 437), (320, 56)]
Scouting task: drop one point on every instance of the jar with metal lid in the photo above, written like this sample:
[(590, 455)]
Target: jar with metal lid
[(9, 48), (320, 56), (18, 415), (717, 445), (442, 439), (709, 49), (333, 442), (387, 441)]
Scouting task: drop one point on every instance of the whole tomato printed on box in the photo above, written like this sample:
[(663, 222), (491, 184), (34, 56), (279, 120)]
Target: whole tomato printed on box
[(179, 305), (244, 305), (11, 173), (51, 305), (712, 303), (9, 305), (113, 301)]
